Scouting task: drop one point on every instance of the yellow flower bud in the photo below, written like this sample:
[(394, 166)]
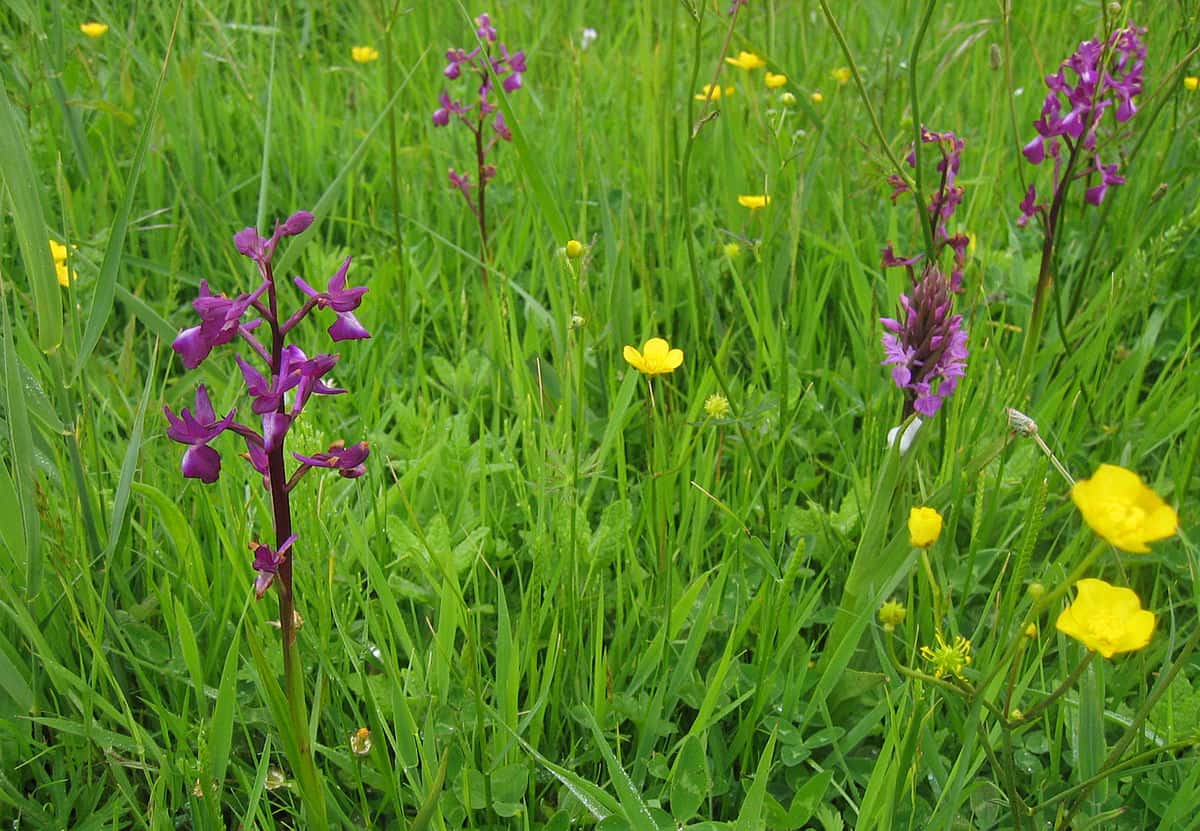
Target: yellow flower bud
[(574, 249), (924, 527), (716, 406), (1191, 83)]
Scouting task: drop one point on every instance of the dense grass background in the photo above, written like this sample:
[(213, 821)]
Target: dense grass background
[(549, 602)]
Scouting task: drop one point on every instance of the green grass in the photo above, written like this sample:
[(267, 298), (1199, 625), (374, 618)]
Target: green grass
[(549, 602)]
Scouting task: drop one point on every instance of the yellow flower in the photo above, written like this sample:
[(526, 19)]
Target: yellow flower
[(816, 97), (716, 406), (948, 659), (746, 60), (1106, 619), (93, 29), (714, 93), (754, 202), (1191, 83), (731, 249), (924, 527), (787, 99), (364, 54), (1031, 630), (842, 75), (656, 358), (774, 81), (1119, 507), (573, 249), (892, 614), (59, 252)]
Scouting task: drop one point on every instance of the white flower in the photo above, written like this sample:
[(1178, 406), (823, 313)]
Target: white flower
[(589, 35)]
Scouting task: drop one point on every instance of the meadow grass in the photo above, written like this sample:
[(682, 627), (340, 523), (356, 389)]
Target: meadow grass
[(553, 601)]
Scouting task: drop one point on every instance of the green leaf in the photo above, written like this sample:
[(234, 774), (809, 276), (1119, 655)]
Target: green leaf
[(690, 780), (634, 807), (21, 445), (220, 735), (750, 818), (129, 465)]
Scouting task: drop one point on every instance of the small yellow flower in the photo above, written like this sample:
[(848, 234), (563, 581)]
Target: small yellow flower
[(93, 29), (573, 249), (746, 60), (716, 406), (731, 249), (948, 659), (774, 81), (713, 93), (656, 358), (360, 741), (754, 202), (59, 252), (892, 614), (787, 99), (1121, 509), (816, 97), (1106, 619), (842, 75), (924, 527), (364, 54), (1191, 83), (1031, 630)]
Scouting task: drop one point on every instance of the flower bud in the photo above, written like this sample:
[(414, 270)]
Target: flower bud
[(574, 249), (924, 527), (1036, 590)]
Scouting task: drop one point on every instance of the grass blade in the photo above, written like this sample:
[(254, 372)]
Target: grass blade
[(18, 175), (102, 301)]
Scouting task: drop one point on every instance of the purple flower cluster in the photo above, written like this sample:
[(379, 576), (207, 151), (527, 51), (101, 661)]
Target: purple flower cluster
[(927, 348), (279, 394), (491, 63), (927, 345), (1101, 75), (944, 200)]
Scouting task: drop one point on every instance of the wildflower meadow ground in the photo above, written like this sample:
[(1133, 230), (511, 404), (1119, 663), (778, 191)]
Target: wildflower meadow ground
[(705, 414)]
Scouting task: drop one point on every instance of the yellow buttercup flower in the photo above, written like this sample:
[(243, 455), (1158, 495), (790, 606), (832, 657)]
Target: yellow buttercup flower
[(754, 202), (1106, 619), (731, 249), (924, 527), (948, 658), (892, 614), (93, 29), (573, 249), (747, 60), (1191, 83), (816, 97), (656, 358), (59, 252), (842, 75), (1121, 509), (714, 93), (774, 81), (364, 54), (787, 99)]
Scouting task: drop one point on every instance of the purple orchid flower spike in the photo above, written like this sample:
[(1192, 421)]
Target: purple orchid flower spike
[(927, 348), (347, 461), (267, 562), (268, 395), (197, 429)]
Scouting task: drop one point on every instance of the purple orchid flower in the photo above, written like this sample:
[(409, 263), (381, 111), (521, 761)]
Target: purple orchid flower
[(197, 429), (267, 562), (347, 461)]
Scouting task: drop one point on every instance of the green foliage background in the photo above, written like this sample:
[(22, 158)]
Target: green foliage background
[(549, 602)]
